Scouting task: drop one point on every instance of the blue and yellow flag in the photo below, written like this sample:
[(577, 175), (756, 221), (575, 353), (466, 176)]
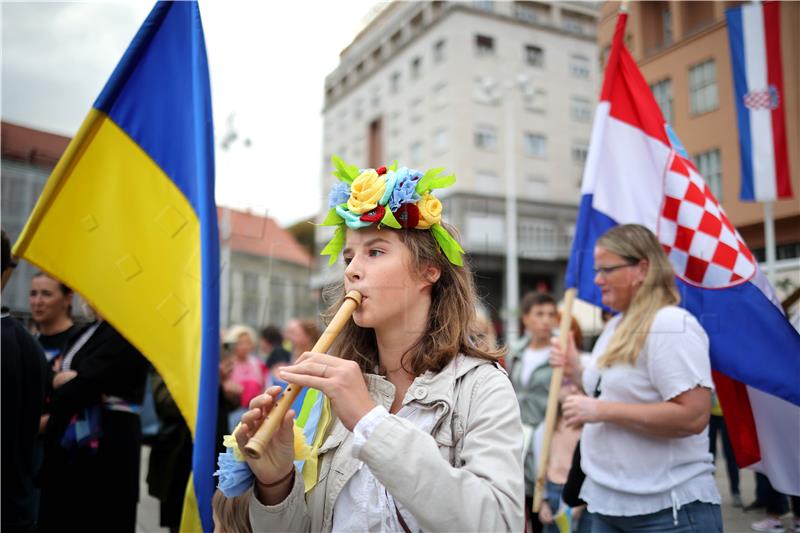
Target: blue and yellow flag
[(128, 219)]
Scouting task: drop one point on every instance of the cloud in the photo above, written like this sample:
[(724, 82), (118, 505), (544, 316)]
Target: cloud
[(267, 60)]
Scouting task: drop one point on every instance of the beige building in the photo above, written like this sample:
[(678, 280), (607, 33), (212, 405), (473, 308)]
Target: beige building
[(451, 84), (682, 50)]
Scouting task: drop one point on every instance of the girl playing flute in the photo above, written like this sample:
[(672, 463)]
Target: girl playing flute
[(426, 432)]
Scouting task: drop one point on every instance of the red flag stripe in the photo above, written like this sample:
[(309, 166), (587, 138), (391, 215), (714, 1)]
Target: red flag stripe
[(740, 423), (772, 36)]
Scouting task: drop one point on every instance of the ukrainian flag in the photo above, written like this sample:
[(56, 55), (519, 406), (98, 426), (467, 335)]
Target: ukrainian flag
[(128, 219)]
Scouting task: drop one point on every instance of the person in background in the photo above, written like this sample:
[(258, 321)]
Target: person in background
[(530, 375), (716, 426), (170, 456), (562, 446), (272, 347), (51, 307), (302, 334), (247, 375), (24, 374), (93, 438), (644, 443)]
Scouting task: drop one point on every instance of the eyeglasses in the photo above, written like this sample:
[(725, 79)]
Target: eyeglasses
[(605, 271)]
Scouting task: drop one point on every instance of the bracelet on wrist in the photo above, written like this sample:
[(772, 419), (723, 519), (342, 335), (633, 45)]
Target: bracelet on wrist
[(276, 483)]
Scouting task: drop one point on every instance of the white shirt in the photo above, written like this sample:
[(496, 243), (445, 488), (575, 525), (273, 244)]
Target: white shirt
[(629, 473), (531, 360), (364, 503)]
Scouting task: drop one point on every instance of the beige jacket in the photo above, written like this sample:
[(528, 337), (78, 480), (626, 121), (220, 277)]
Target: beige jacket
[(477, 428)]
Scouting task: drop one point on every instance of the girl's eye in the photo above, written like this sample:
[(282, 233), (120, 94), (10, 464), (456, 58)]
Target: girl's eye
[(375, 252), (347, 260)]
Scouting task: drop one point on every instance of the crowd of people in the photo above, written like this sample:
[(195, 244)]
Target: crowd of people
[(435, 426)]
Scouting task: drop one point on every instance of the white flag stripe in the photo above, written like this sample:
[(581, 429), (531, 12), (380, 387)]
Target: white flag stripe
[(631, 192), (763, 149), (780, 460)]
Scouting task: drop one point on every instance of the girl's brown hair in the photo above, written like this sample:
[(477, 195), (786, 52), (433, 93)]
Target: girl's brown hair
[(232, 513), (452, 325)]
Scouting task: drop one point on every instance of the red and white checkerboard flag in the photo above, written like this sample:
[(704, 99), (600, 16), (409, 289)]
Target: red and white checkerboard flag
[(638, 173)]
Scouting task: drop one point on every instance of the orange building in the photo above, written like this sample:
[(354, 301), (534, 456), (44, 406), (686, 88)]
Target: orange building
[(682, 51)]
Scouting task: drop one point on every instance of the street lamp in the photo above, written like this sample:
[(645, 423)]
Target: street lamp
[(491, 89)]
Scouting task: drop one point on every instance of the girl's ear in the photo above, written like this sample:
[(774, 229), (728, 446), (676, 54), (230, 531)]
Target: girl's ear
[(432, 274)]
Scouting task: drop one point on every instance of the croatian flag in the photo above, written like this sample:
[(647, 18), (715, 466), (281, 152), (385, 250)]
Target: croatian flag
[(637, 173), (754, 33)]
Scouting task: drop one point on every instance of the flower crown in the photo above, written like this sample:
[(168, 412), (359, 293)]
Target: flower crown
[(388, 196)]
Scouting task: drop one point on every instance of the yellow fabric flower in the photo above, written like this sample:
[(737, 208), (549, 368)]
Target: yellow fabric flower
[(365, 191), (430, 211)]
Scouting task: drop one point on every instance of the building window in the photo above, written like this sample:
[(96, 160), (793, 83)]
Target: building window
[(535, 144), (250, 298), (487, 182), (439, 99), (484, 45), (710, 167), (572, 25), (662, 92), (580, 150), (439, 49), (483, 5), (415, 109), (486, 137), (703, 88), (536, 186), (360, 69), (534, 56), (525, 12), (580, 109), (536, 100), (415, 152), (416, 67), (397, 39), (440, 141), (394, 82), (579, 66)]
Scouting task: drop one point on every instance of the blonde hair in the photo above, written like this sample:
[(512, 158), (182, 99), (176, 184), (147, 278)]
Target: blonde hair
[(635, 243), (232, 513), (451, 327), (236, 331)]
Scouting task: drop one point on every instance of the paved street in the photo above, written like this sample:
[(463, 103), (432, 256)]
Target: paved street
[(735, 520)]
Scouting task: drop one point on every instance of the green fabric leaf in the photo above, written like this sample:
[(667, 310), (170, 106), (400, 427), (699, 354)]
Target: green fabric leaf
[(389, 220), (424, 182), (393, 166), (335, 246), (333, 218), (441, 183), (448, 244), (346, 173)]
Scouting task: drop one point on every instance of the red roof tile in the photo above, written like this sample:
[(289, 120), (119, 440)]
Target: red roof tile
[(32, 146), (262, 236)]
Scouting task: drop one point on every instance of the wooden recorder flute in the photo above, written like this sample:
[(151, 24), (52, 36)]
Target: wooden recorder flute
[(258, 442)]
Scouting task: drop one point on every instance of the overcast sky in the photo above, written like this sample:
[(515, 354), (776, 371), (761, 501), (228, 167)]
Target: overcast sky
[(267, 59)]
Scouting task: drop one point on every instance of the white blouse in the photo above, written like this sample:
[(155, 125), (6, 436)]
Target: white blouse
[(630, 473), (364, 505)]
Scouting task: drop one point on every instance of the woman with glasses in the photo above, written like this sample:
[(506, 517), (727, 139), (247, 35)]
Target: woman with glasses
[(644, 444)]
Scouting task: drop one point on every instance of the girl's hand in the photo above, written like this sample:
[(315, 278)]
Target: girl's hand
[(579, 409), (63, 377), (339, 379), (545, 514), (278, 457)]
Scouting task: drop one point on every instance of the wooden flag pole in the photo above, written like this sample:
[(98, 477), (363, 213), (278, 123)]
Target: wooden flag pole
[(552, 400)]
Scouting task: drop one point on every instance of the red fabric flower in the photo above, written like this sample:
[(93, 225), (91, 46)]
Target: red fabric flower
[(407, 215), (381, 171), (375, 215)]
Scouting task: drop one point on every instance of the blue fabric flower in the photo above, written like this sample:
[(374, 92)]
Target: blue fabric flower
[(405, 192), (352, 220), (339, 194), (235, 477)]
